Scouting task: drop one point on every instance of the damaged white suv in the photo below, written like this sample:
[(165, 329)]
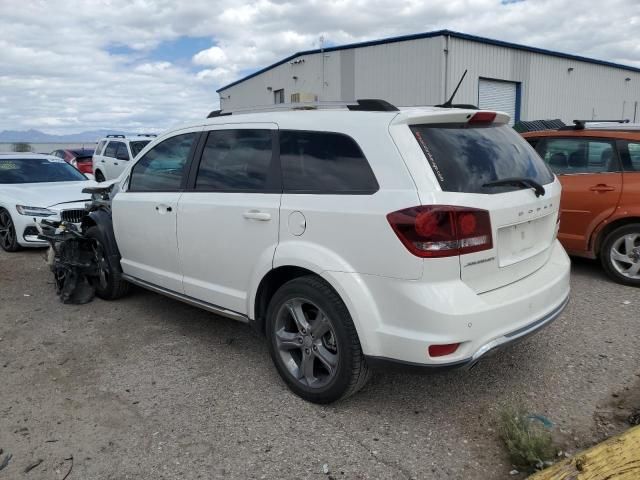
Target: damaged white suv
[(349, 237)]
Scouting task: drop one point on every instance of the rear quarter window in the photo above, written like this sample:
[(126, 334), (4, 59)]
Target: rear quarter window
[(325, 163), (465, 158)]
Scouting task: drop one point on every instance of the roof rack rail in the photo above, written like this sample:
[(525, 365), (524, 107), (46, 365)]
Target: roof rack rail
[(372, 105), (581, 124), (538, 125), (368, 105), (115, 135), (150, 135), (217, 113)]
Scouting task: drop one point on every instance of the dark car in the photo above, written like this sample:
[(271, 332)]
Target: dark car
[(80, 158)]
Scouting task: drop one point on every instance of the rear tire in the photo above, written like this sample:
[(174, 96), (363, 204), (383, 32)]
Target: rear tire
[(620, 254), (99, 176), (110, 285), (313, 341), (8, 236)]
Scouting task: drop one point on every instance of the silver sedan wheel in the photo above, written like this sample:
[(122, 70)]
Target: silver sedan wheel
[(306, 342), (625, 255), (7, 231)]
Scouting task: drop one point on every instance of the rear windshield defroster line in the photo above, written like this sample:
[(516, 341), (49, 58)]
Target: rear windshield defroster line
[(468, 158)]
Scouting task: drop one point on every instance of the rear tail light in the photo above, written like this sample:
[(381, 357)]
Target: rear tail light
[(442, 350), (430, 231), (483, 117), (85, 167)]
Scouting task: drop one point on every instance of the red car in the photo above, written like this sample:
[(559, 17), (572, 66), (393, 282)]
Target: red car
[(80, 158)]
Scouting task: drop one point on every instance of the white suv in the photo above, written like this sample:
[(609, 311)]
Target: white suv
[(422, 236), (113, 153)]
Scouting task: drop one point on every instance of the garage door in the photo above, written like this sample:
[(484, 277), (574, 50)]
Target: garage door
[(498, 95)]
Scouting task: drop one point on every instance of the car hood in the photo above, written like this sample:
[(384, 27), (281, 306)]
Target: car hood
[(47, 194)]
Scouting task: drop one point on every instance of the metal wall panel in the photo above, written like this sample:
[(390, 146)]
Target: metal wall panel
[(258, 90), (425, 72), (406, 73)]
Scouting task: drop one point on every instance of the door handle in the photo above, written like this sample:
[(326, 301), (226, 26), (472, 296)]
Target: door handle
[(163, 209), (257, 215), (601, 187), (115, 163), (101, 161)]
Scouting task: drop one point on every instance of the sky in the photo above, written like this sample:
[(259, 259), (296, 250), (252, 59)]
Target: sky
[(145, 65)]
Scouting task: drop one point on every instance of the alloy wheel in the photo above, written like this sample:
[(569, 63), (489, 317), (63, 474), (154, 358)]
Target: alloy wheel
[(102, 263), (7, 231), (306, 342), (625, 255)]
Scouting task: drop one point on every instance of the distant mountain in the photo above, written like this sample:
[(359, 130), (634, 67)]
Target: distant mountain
[(36, 136)]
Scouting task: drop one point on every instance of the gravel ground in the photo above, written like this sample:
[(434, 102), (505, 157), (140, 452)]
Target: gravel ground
[(147, 387)]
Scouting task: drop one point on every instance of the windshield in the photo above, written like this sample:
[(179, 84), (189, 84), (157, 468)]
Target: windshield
[(137, 146), (37, 170), (465, 158)]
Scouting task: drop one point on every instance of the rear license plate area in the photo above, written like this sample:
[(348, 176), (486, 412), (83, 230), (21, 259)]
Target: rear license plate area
[(524, 240)]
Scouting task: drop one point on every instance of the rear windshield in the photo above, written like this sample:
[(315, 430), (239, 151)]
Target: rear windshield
[(137, 146), (464, 158)]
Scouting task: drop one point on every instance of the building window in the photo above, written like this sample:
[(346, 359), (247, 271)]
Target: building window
[(278, 96)]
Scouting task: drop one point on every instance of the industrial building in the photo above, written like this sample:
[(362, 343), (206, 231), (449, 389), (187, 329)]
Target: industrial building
[(423, 69)]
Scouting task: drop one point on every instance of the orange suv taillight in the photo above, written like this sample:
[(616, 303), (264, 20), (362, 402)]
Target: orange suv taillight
[(430, 231)]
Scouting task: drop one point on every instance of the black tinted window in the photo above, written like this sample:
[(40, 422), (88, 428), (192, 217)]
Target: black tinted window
[(236, 160), (137, 146), (162, 167), (37, 170), (323, 162), (122, 153), (112, 148), (566, 156), (464, 158)]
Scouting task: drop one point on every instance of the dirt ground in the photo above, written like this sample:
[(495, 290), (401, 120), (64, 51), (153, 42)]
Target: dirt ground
[(147, 387)]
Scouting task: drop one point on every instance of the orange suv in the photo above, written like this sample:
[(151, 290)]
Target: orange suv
[(598, 165)]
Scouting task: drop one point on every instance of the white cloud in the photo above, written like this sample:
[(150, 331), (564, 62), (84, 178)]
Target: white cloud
[(56, 72), (213, 56)]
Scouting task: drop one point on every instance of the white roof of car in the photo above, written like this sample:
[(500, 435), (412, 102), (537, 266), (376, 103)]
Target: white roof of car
[(131, 138), (409, 115), (26, 156)]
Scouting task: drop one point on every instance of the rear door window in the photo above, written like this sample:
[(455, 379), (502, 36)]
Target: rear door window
[(237, 161), (633, 165), (122, 153), (465, 158), (566, 156), (324, 162), (112, 148)]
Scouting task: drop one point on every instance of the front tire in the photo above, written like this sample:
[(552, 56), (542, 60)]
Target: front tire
[(620, 254), (8, 236), (110, 285), (313, 341)]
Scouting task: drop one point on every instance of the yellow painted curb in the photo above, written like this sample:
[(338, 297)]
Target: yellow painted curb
[(616, 458)]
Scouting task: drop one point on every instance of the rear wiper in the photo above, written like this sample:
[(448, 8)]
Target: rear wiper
[(523, 181)]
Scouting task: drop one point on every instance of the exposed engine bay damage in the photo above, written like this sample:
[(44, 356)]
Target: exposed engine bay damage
[(77, 260), (72, 259)]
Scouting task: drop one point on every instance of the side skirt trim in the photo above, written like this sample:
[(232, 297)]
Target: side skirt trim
[(187, 299)]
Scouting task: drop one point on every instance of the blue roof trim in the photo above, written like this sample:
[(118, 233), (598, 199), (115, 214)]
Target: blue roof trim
[(438, 33)]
